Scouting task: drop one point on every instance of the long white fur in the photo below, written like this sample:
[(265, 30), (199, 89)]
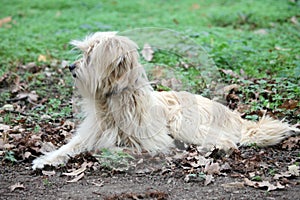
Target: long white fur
[(122, 110)]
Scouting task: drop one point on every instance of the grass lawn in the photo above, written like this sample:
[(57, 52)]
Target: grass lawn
[(254, 39), (254, 44), (259, 37)]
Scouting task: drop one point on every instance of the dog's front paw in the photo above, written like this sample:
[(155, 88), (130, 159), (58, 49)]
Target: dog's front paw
[(48, 159), (39, 163)]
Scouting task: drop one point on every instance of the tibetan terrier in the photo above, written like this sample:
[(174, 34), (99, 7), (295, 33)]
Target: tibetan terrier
[(121, 109)]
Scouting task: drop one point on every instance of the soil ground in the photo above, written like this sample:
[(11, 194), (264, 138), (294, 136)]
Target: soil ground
[(149, 180)]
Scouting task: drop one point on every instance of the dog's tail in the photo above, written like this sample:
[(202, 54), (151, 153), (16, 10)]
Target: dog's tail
[(266, 132)]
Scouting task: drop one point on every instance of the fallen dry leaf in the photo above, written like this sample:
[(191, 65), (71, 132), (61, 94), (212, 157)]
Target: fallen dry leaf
[(26, 155), (263, 184), (16, 136), (225, 167), (289, 104), (5, 20), (294, 170), (173, 83), (48, 173), (195, 6), (261, 32), (32, 96), (98, 184), (42, 58), (291, 143), (230, 73), (147, 52), (202, 161), (47, 147), (195, 164), (252, 174), (1, 143), (278, 48), (64, 63), (233, 185), (8, 107), (31, 67), (10, 80), (282, 175), (294, 20), (4, 127), (228, 88), (77, 178), (158, 72), (208, 179), (78, 171), (190, 178), (212, 168), (68, 125), (16, 186), (8, 146)]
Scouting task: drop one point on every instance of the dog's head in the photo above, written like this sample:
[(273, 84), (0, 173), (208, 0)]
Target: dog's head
[(109, 64)]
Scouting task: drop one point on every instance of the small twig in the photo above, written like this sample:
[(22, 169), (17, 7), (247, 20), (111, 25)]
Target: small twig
[(33, 102), (20, 113), (17, 99)]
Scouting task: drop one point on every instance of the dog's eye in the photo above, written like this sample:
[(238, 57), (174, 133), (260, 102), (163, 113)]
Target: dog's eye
[(87, 60)]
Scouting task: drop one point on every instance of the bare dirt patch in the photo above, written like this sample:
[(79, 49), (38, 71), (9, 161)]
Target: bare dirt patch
[(171, 178)]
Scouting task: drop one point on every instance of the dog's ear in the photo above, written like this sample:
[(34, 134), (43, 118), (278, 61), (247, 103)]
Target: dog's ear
[(118, 67), (127, 69)]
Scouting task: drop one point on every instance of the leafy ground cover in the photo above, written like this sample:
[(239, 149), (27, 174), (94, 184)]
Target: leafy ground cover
[(254, 45)]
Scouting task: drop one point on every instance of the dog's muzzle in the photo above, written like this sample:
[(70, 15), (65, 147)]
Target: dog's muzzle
[(71, 68)]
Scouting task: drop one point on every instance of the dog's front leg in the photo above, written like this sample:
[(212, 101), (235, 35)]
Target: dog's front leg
[(88, 134), (61, 155)]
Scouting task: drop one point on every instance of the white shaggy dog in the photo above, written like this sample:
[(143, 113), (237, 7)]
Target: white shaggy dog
[(122, 110)]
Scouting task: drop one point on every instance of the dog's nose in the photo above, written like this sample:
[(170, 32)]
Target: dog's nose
[(72, 67)]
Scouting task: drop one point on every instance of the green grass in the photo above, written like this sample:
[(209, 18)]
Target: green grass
[(10, 156), (226, 29), (116, 160)]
